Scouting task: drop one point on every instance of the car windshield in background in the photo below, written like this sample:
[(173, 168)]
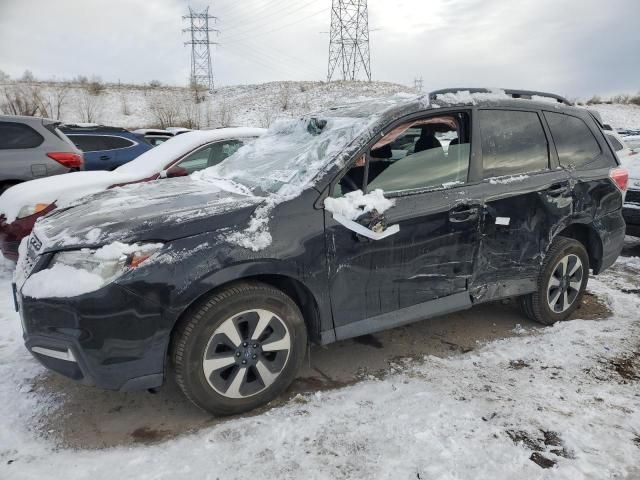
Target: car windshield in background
[(290, 154)]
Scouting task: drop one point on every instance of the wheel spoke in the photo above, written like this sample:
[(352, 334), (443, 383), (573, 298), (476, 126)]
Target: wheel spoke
[(283, 344), (554, 282), (555, 298), (265, 374), (264, 318), (234, 389), (564, 263), (565, 301), (210, 365), (575, 285), (576, 267), (229, 329)]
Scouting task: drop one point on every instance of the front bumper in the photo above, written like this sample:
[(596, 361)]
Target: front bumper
[(111, 339)]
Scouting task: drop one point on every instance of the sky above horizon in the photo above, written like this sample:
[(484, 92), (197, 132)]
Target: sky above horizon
[(573, 47)]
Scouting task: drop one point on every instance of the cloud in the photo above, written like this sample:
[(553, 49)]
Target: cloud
[(574, 47)]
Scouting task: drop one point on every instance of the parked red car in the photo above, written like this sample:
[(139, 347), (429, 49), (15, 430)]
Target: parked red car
[(23, 204)]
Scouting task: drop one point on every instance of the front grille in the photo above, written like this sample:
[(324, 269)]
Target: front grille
[(633, 196)]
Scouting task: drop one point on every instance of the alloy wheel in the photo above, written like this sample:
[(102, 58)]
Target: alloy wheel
[(565, 283), (246, 353)]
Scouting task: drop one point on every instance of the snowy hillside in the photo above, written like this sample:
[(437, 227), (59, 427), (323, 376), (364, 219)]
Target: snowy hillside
[(134, 106), (138, 106)]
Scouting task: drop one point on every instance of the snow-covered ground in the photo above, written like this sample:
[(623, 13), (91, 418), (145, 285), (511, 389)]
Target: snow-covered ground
[(132, 106), (566, 395)]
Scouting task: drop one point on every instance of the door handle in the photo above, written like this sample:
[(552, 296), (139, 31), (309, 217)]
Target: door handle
[(105, 157), (464, 213), (558, 189)]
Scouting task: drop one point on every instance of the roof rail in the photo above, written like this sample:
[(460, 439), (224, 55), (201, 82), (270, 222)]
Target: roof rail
[(88, 127), (524, 94)]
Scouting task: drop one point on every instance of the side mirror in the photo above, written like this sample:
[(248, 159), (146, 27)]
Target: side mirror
[(163, 174), (176, 171)]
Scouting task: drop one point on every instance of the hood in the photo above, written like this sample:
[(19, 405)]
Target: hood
[(157, 211)]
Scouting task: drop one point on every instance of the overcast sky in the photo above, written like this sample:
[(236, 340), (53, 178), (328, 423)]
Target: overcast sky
[(573, 47)]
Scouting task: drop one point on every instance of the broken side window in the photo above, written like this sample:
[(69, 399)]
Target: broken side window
[(431, 152)]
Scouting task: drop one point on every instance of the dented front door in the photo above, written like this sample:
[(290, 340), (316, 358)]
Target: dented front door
[(430, 257)]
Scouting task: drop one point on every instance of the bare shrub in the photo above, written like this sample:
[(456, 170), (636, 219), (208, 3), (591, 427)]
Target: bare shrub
[(22, 99), (594, 100), (266, 118), (27, 76), (56, 98), (81, 79), (155, 84), (624, 98), (165, 109), (225, 114), (190, 115), (284, 98), (95, 86), (89, 106), (635, 100), (124, 104), (4, 77)]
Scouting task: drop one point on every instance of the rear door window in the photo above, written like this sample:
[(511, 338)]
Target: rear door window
[(114, 143), (513, 142), (17, 135), (575, 143), (89, 143)]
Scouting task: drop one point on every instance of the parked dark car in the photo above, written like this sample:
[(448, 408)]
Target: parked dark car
[(337, 225), (34, 147), (106, 148)]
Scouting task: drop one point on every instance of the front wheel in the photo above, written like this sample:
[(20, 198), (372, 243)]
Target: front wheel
[(561, 283), (240, 348)]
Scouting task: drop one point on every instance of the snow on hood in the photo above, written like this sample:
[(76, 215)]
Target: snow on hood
[(146, 211), (65, 189)]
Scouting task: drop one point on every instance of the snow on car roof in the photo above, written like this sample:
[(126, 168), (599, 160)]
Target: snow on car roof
[(65, 189)]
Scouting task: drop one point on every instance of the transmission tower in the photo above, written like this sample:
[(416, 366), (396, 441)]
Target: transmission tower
[(201, 65), (349, 39), (418, 83)]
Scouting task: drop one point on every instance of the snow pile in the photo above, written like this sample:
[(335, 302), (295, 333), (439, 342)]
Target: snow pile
[(619, 116), (64, 190), (61, 281), (507, 179), (99, 267), (465, 97), (354, 204)]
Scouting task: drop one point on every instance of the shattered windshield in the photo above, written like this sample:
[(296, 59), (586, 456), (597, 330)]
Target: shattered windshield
[(294, 151), (291, 153)]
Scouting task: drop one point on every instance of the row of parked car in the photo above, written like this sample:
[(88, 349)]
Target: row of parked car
[(336, 225)]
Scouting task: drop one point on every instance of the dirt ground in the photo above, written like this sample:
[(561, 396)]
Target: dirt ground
[(89, 418)]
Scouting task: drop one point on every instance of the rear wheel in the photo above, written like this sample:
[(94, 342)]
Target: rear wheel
[(561, 283), (240, 348)]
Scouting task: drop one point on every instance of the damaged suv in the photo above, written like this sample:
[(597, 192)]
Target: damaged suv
[(339, 224)]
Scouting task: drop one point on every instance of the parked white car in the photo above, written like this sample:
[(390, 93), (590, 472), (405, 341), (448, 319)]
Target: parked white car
[(22, 204)]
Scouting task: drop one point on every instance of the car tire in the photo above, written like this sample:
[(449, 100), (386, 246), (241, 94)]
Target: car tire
[(223, 364), (561, 283)]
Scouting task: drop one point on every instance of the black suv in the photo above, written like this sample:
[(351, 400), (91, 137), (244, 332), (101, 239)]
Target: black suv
[(336, 225)]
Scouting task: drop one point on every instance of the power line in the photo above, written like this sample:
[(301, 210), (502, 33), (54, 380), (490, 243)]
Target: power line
[(349, 39), (249, 25), (235, 37)]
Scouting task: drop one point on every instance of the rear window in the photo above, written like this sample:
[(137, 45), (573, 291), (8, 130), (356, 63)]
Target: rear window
[(17, 135), (576, 145), (617, 146), (513, 142)]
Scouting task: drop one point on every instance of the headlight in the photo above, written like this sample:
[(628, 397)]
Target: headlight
[(108, 262), (29, 210)]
